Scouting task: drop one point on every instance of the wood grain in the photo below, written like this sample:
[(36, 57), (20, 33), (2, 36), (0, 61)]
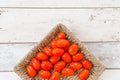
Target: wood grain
[(31, 25), (11, 54), (60, 3), (107, 75)]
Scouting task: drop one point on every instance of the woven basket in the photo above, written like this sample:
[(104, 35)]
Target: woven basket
[(96, 71)]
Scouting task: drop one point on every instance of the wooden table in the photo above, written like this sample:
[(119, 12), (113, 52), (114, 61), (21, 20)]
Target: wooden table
[(96, 23)]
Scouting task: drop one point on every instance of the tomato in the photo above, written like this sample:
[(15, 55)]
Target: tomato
[(31, 71), (73, 49), (46, 65), (48, 50), (53, 43), (55, 76), (87, 64), (62, 43), (35, 63), (75, 65), (59, 66), (41, 56), (66, 48), (84, 74), (67, 72), (66, 57), (44, 74), (54, 59), (77, 57), (58, 52), (61, 35)]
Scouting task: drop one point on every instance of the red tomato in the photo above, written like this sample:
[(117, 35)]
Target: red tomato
[(54, 59), (66, 57), (66, 48), (53, 43), (35, 63), (44, 74), (48, 50), (41, 56), (61, 35), (87, 64), (62, 43), (67, 72), (55, 76), (77, 57), (31, 71), (73, 49), (75, 65), (58, 52), (84, 74), (59, 66), (46, 65)]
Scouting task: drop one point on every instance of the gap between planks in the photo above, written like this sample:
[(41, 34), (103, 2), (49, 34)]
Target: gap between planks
[(105, 69), (81, 41), (59, 7)]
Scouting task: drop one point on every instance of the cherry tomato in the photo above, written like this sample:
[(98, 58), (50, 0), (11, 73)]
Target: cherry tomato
[(41, 56), (53, 43), (44, 74), (62, 43), (31, 71), (58, 52), (46, 65), (59, 66), (55, 76), (75, 65), (87, 64), (54, 59), (66, 48), (84, 74), (77, 57), (61, 35), (35, 63), (66, 58), (67, 72), (73, 49), (48, 50)]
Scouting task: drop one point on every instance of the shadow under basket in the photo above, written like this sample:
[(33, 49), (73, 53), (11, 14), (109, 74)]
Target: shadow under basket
[(95, 72)]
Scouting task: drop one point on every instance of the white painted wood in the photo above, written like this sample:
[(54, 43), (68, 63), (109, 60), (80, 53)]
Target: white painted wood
[(107, 75), (110, 75), (11, 54), (108, 53), (31, 25), (59, 3), (9, 76)]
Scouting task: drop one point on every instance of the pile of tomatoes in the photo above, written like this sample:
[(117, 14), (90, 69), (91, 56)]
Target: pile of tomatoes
[(59, 58)]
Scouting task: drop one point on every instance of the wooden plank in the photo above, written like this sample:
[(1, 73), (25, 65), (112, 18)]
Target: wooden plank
[(11, 54), (107, 75), (108, 53), (31, 25), (110, 75), (9, 76), (60, 3)]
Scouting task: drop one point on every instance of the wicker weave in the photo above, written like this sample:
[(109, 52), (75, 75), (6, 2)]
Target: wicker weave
[(96, 71)]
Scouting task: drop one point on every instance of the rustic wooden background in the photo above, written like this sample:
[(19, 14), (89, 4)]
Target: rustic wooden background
[(96, 23)]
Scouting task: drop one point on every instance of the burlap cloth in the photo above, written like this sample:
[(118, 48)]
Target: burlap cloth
[(96, 71)]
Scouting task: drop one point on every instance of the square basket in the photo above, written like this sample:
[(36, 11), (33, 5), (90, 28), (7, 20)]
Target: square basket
[(96, 71)]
